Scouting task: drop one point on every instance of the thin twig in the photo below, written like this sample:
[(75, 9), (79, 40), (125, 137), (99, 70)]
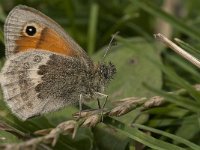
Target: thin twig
[(178, 49)]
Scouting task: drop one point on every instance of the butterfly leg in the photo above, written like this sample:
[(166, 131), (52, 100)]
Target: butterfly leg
[(99, 104), (101, 95)]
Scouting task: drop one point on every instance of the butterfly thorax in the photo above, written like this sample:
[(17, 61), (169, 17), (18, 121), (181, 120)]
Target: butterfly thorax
[(100, 76)]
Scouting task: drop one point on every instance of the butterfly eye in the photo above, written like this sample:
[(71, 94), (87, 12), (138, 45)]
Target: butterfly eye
[(31, 30)]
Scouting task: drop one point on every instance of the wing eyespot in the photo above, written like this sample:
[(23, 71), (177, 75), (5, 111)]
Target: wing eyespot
[(37, 59), (31, 30), (26, 65)]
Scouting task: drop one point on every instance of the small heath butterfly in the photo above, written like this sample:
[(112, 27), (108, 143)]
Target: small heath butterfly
[(45, 69)]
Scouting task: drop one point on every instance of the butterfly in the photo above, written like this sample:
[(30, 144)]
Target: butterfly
[(45, 70)]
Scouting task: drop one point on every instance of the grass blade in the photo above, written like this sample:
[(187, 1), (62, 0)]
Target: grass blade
[(171, 136)]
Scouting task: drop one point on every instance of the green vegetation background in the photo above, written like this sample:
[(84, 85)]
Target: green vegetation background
[(144, 69)]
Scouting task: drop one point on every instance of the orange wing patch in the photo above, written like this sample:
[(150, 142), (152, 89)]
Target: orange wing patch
[(46, 39)]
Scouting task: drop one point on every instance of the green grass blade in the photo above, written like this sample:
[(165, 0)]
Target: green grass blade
[(1, 36), (190, 49), (184, 64), (178, 100), (140, 136), (169, 135), (180, 81), (92, 28)]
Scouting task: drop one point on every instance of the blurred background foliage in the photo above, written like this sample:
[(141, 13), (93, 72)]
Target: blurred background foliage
[(145, 68)]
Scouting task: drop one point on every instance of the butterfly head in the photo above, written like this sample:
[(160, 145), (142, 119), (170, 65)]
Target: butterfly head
[(106, 71)]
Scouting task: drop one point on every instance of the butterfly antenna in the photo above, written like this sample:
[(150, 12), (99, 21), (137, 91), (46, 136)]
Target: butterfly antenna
[(110, 44)]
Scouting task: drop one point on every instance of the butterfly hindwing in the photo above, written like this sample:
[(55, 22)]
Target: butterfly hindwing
[(36, 82)]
